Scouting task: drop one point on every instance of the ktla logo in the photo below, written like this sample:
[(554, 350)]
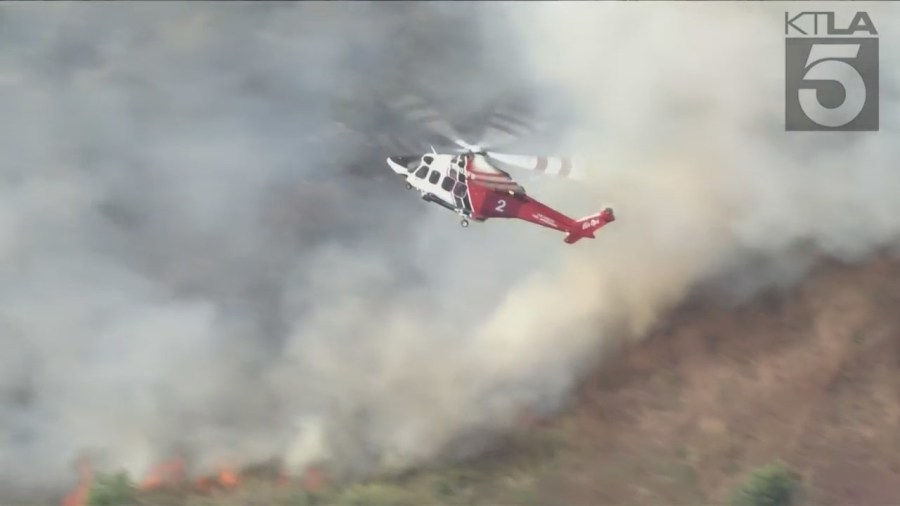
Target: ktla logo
[(831, 72)]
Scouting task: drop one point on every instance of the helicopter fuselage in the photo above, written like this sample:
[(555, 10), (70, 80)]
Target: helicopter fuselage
[(440, 178), (475, 190)]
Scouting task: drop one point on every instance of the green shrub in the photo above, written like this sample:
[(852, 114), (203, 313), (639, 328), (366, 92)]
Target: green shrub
[(375, 494), (771, 485), (111, 490), (452, 482)]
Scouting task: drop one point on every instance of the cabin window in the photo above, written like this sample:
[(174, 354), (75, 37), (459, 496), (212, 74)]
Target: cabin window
[(453, 174), (462, 177), (460, 190), (434, 177), (422, 172), (427, 159), (447, 184)]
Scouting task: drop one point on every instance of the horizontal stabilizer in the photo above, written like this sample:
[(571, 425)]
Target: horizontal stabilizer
[(585, 227)]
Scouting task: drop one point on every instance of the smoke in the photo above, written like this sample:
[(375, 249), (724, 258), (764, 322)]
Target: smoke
[(168, 288), (687, 138), (682, 128), (184, 221)]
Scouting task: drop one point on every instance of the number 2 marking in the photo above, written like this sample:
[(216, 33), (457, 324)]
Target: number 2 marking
[(501, 205)]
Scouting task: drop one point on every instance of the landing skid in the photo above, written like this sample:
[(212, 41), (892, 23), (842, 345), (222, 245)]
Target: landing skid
[(431, 198), (464, 223)]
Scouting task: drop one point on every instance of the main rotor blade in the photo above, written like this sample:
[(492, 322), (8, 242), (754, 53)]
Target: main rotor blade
[(418, 110), (399, 145), (553, 165), (505, 126)]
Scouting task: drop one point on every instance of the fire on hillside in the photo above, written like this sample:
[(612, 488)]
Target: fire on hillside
[(173, 474)]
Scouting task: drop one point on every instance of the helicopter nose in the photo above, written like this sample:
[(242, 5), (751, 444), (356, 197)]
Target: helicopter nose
[(400, 164)]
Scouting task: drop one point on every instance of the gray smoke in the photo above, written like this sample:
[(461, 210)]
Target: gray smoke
[(199, 257), (199, 253)]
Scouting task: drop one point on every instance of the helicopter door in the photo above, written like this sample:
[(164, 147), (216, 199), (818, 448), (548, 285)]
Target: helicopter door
[(461, 190), (461, 197), (447, 184), (451, 181)]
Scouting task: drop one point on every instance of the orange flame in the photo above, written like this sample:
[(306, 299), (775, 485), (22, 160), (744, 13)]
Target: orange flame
[(170, 472), (173, 472), (228, 478), (79, 496)]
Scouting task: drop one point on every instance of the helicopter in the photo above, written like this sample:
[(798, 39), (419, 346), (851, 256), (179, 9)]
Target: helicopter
[(469, 181)]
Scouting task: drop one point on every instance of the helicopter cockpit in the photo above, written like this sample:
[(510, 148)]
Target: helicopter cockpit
[(424, 166), (437, 176), (445, 173), (423, 171)]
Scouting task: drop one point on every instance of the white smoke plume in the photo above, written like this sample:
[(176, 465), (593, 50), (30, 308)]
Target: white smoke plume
[(683, 129), (153, 304)]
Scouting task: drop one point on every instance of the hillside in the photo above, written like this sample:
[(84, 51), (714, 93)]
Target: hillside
[(808, 376)]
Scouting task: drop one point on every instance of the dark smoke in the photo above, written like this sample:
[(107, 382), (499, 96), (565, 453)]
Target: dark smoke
[(197, 227)]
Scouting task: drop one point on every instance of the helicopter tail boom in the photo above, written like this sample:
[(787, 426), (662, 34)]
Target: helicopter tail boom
[(489, 203)]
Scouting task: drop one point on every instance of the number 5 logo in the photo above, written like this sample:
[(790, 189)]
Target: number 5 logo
[(826, 63)]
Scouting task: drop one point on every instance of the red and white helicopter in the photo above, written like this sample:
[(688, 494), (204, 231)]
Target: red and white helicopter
[(470, 183)]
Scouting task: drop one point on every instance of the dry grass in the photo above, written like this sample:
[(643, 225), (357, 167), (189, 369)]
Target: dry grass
[(809, 377)]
